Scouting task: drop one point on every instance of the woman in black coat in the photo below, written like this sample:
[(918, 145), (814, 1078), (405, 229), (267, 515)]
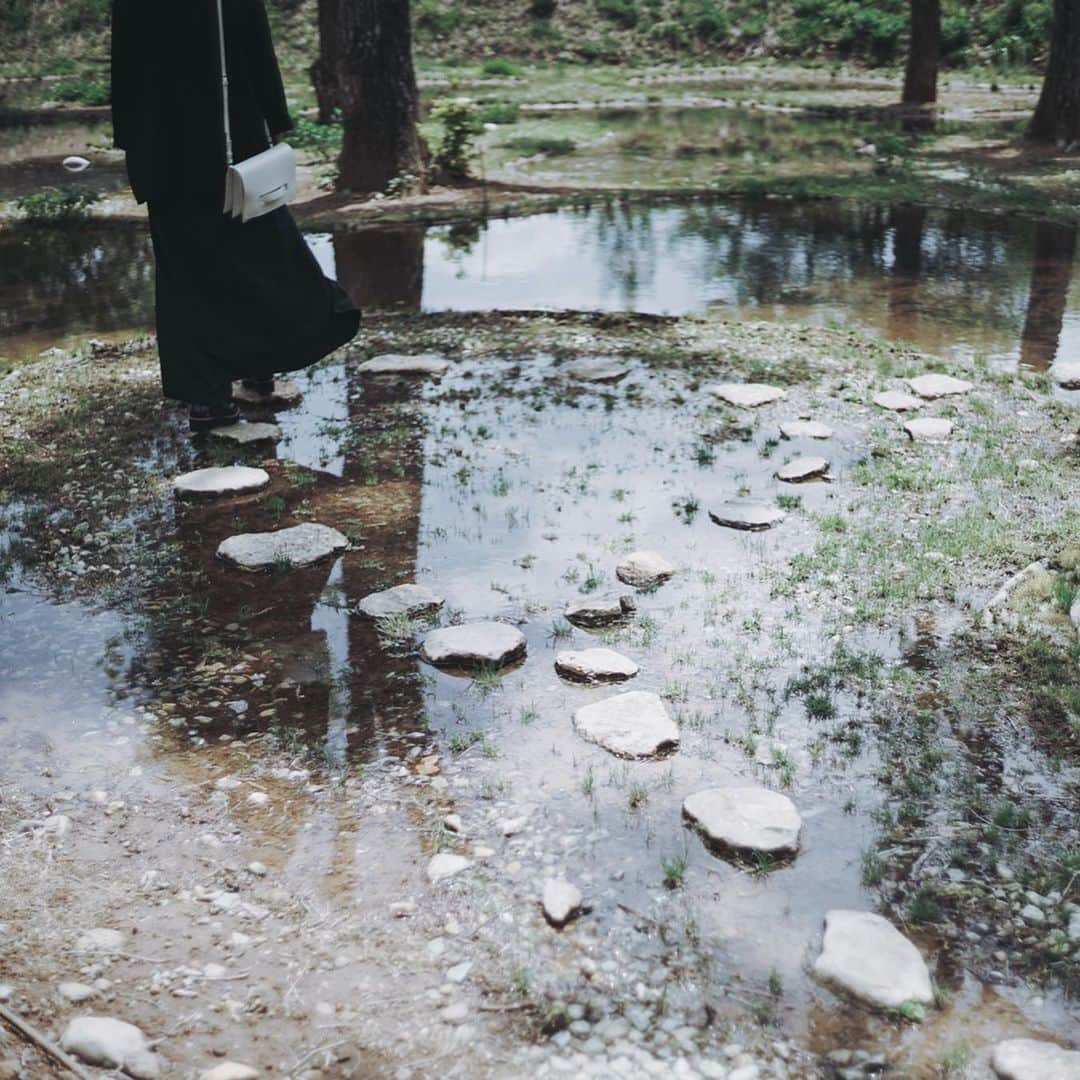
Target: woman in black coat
[(234, 299)]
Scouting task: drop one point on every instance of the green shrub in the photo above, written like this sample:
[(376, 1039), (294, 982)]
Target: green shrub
[(532, 144), (85, 15), (498, 112), (437, 18), (52, 205), (622, 12), (543, 9), (324, 140), (84, 90), (956, 30), (498, 66), (460, 124)]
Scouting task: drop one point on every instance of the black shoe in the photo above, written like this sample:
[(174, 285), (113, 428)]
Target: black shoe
[(263, 386), (205, 417)]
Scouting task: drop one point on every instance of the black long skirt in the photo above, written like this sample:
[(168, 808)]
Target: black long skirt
[(238, 300)]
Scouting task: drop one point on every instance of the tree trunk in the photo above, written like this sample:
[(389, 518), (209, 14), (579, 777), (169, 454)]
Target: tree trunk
[(382, 269), (1051, 273), (324, 72), (1057, 116), (920, 78), (378, 95)]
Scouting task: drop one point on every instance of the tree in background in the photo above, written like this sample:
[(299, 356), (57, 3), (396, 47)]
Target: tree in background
[(1057, 115), (924, 52), (323, 73)]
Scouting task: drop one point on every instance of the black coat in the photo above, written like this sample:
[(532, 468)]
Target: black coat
[(166, 92)]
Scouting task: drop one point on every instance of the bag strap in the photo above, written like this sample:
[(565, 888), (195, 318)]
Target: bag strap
[(224, 87)]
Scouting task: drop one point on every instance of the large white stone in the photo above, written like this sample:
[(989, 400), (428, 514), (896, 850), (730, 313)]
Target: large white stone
[(633, 725), (747, 395), (644, 569), (1031, 1059), (897, 401), (928, 429), (412, 601), (746, 819), (446, 865), (245, 434), (300, 545), (284, 394), (869, 958), (596, 369), (561, 901), (595, 665), (1066, 374), (396, 364), (599, 610), (937, 386), (230, 480), (101, 939), (802, 469), (805, 429), (474, 645), (230, 1070), (747, 515), (111, 1044)]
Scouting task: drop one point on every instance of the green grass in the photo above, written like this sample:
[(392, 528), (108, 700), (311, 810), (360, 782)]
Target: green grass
[(674, 870)]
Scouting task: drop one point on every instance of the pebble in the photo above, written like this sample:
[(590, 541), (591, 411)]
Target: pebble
[(76, 991), (446, 865), (402, 909), (452, 823), (112, 1044), (561, 901), (644, 569)]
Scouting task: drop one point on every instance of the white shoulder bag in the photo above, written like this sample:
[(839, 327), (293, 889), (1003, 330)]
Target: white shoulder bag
[(261, 183)]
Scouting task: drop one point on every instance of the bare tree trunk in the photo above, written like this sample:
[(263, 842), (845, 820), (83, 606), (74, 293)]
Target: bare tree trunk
[(920, 78), (324, 72), (1051, 273), (1057, 116), (378, 95)]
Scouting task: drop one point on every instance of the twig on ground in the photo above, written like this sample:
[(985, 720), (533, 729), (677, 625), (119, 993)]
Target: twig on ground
[(311, 1053)]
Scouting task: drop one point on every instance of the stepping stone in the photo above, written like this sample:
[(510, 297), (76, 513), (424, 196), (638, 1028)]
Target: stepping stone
[(745, 819), (936, 386), (928, 429), (561, 901), (285, 394), (600, 610), (747, 395), (412, 601), (231, 480), (1066, 374), (1032, 1059), (396, 364), (595, 665), (802, 469), (111, 1044), (632, 725), (644, 569), (446, 865), (806, 429), (869, 958), (596, 369), (245, 434), (298, 546), (748, 516), (474, 645), (897, 401)]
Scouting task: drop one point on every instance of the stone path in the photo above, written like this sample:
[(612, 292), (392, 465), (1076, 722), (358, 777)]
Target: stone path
[(644, 569), (935, 386), (394, 364), (745, 819), (747, 395), (928, 429), (285, 394), (298, 546), (474, 645), (897, 401), (411, 601), (230, 480), (595, 665), (597, 369), (1031, 1059), (632, 725), (747, 515), (805, 429), (802, 469), (600, 610), (247, 434)]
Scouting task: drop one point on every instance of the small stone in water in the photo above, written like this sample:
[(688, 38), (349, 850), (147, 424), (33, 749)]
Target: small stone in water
[(100, 939), (298, 546), (745, 819), (805, 429), (412, 601), (561, 901), (928, 429), (644, 569), (748, 516), (596, 369), (936, 386), (634, 725), (396, 364), (245, 434), (806, 468), (897, 401), (474, 645), (595, 665), (600, 610), (747, 395)]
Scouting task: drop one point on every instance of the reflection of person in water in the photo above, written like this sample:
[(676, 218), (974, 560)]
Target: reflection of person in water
[(233, 299)]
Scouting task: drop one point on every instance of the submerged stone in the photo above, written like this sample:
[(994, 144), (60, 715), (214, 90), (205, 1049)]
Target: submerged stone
[(632, 725), (111, 1044), (928, 429), (561, 901), (644, 569), (600, 610), (595, 665), (869, 958), (937, 386), (474, 645), (747, 395), (298, 546), (805, 429), (897, 401), (1032, 1059), (802, 469), (742, 819), (1066, 374), (284, 394), (245, 434), (412, 601), (396, 364), (747, 515), (596, 369), (229, 480)]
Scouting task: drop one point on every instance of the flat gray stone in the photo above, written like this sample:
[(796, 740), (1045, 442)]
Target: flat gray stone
[(897, 401), (101, 939), (802, 469), (1032, 1059), (561, 901), (245, 434), (474, 645), (446, 865), (644, 569), (805, 429), (1066, 374), (230, 480), (596, 369), (745, 819), (595, 665), (866, 956), (300, 545), (76, 991), (747, 515), (747, 395), (600, 610), (396, 364), (928, 429), (285, 394), (631, 725), (937, 386), (412, 601), (111, 1044)]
